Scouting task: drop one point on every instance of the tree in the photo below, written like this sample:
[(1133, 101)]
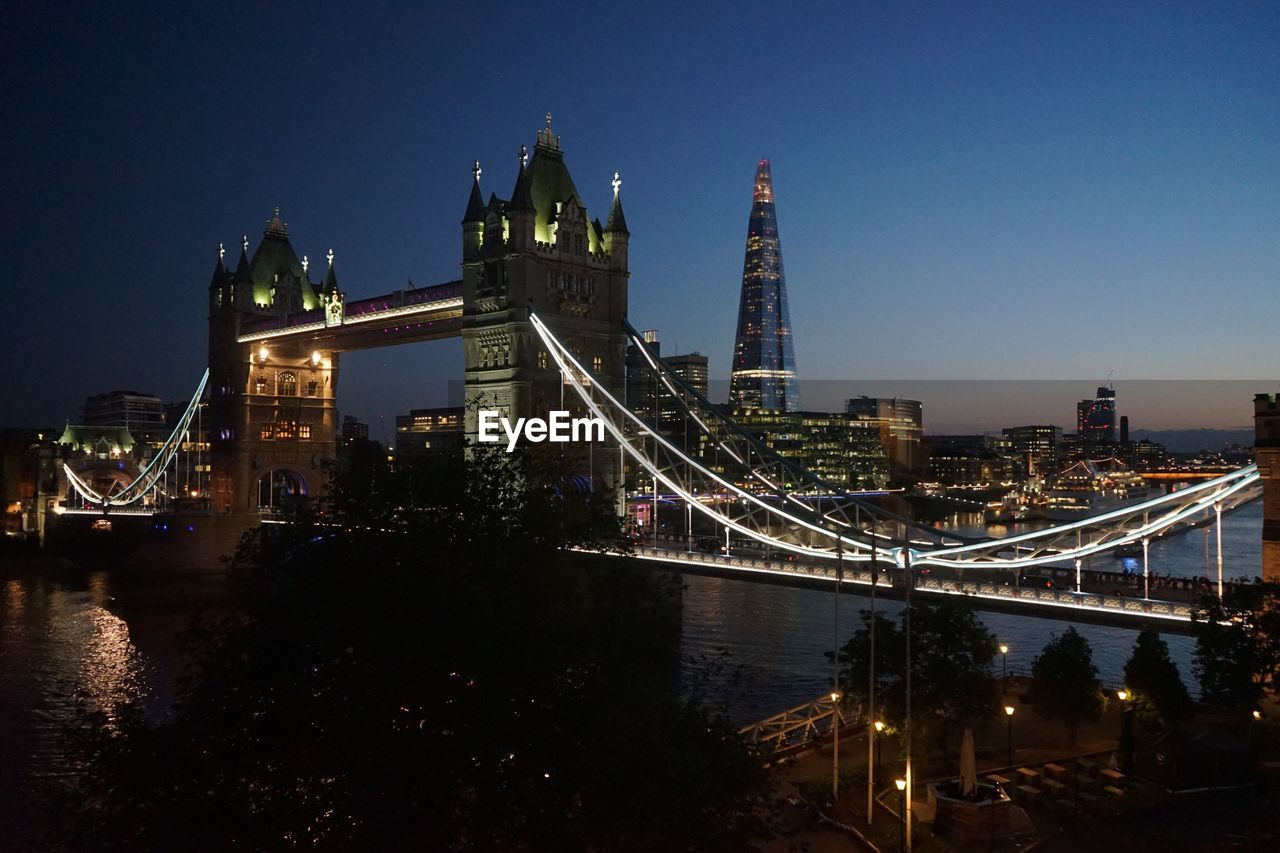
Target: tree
[(1064, 682), (444, 679), (952, 685), (1152, 678), (1238, 645)]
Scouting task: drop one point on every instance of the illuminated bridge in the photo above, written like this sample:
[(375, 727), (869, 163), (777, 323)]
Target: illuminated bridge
[(827, 536), (541, 314)]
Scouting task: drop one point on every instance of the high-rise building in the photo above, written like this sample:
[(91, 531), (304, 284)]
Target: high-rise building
[(900, 423), (692, 368), (642, 383), (1096, 418), (141, 414), (1039, 444), (842, 450), (764, 368)]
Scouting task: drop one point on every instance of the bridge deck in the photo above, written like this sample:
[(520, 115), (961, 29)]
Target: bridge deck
[(400, 316), (1091, 605)]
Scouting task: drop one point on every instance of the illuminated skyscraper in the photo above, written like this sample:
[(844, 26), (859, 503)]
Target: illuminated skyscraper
[(764, 366)]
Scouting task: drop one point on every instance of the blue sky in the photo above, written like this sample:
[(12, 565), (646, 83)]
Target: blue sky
[(967, 191)]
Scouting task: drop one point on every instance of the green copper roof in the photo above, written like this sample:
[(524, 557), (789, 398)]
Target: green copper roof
[(97, 439), (549, 183), (275, 257)]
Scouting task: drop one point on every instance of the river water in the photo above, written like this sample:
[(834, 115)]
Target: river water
[(65, 640)]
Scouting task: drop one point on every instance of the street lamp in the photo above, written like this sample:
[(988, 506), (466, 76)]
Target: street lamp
[(879, 727), (1126, 729), (835, 746), (1004, 663), (902, 812), (1008, 712)]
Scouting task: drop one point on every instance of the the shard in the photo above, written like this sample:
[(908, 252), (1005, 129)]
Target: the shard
[(764, 365)]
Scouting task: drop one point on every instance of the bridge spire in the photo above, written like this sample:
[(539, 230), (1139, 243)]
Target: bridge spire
[(521, 198), (617, 223), (475, 204)]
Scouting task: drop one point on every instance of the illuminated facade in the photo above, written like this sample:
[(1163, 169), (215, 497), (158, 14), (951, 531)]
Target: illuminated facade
[(842, 450), (764, 369), (1096, 418), (540, 250), (900, 423)]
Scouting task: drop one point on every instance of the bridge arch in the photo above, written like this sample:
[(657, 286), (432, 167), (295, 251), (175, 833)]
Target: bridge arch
[(280, 487)]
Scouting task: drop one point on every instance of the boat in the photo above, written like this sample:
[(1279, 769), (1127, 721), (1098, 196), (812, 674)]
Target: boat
[(1092, 487)]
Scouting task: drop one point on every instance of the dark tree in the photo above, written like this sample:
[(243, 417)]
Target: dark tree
[(1238, 646), (1064, 682), (1153, 681), (445, 679), (952, 685)]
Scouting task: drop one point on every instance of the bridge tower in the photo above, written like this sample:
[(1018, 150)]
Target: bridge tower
[(1266, 423), (538, 250), (272, 405)]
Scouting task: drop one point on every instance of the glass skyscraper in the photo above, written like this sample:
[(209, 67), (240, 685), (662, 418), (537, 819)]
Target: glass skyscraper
[(764, 367)]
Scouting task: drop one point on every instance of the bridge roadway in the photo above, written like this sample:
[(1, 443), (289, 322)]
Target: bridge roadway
[(1106, 598)]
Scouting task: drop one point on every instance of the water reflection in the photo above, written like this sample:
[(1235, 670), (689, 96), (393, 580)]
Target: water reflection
[(776, 637)]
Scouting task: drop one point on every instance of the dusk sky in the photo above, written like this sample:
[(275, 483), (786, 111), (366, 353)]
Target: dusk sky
[(969, 191)]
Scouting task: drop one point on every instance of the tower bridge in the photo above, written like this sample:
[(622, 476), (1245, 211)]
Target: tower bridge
[(540, 310)]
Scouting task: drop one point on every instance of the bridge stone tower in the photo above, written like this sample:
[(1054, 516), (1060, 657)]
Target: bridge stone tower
[(1266, 443), (272, 405), (538, 250)]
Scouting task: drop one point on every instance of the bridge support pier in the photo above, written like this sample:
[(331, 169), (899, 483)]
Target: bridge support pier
[(1266, 421)]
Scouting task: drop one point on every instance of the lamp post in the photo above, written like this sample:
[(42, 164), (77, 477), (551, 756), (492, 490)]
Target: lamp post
[(878, 725), (1008, 712), (835, 746), (1004, 664), (1125, 760), (1217, 508), (902, 812)]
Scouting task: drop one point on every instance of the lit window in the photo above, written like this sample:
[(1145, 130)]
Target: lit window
[(542, 359), (287, 385)]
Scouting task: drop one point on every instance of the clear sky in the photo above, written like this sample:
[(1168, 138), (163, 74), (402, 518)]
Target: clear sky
[(964, 191)]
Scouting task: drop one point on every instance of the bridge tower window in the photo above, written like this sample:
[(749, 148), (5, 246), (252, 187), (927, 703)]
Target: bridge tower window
[(287, 385), (313, 388)]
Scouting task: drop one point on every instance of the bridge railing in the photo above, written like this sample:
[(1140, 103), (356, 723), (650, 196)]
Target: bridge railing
[(801, 727)]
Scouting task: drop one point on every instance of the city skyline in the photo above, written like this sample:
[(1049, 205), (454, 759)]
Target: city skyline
[(989, 212)]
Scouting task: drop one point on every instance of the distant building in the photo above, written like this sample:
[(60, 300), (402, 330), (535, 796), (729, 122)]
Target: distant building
[(972, 461), (899, 422), (354, 430), (428, 436), (143, 415), (763, 375), (1039, 444), (692, 368), (843, 451), (1096, 418), (642, 384)]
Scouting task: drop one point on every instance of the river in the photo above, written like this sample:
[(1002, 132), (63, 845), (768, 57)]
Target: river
[(65, 639)]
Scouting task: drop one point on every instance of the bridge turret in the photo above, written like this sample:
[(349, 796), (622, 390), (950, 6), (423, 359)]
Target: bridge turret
[(520, 210), (473, 219), (616, 234), (219, 283)]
